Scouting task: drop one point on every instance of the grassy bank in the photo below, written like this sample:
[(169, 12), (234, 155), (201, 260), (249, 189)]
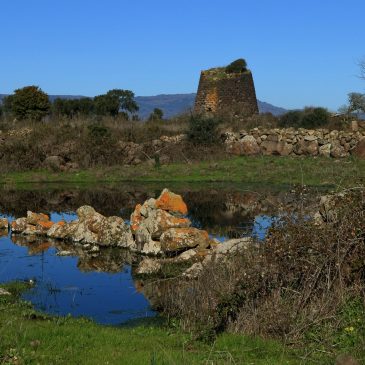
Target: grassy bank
[(29, 337), (249, 170)]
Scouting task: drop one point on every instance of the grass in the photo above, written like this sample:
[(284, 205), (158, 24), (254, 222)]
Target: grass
[(30, 337), (264, 170)]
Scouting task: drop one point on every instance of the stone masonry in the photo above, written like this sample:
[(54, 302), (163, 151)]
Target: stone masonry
[(219, 92)]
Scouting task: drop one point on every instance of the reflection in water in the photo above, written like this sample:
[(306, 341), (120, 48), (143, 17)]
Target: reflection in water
[(100, 287), (100, 284)]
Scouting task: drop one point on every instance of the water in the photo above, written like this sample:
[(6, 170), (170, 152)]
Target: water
[(62, 288), (103, 287)]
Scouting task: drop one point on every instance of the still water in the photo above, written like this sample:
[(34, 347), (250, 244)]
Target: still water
[(102, 286)]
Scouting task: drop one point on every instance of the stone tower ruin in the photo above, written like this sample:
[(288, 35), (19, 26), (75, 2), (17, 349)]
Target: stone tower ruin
[(226, 91)]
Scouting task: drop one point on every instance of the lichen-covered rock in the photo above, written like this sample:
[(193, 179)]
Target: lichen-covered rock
[(94, 228), (171, 202), (19, 225), (114, 231), (35, 218), (4, 224), (177, 239)]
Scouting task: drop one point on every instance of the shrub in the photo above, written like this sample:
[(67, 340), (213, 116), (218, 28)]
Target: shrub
[(203, 130), (237, 66), (307, 118), (300, 278), (290, 119), (314, 118), (98, 131)]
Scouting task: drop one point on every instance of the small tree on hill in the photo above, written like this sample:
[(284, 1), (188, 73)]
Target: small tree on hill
[(114, 101), (30, 102), (157, 114)]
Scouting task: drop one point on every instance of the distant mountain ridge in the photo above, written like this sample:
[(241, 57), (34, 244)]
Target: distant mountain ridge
[(170, 104)]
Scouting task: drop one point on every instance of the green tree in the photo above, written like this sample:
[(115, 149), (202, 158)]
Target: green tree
[(114, 101), (73, 107), (157, 114), (237, 66), (29, 102), (203, 130)]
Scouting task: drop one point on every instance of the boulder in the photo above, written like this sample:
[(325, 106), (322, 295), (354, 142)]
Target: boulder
[(337, 151), (4, 224), (325, 150), (178, 239), (247, 146), (19, 225), (281, 148), (171, 202), (35, 218), (308, 148), (159, 221)]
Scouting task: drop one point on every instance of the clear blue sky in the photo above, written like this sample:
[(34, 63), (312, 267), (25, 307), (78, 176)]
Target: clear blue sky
[(300, 52)]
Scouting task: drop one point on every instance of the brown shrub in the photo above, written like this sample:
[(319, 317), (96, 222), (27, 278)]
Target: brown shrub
[(299, 277)]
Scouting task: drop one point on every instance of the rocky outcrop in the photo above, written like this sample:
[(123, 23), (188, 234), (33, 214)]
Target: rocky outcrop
[(296, 142), (90, 228), (160, 226)]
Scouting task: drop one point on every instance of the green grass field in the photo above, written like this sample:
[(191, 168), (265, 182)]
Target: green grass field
[(250, 170)]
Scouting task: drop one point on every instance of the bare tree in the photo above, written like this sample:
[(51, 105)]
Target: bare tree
[(362, 69)]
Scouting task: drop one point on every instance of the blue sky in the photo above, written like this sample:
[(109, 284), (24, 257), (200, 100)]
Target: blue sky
[(300, 52)]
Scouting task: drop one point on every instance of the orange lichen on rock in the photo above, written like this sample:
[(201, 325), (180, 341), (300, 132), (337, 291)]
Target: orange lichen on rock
[(136, 218), (35, 218), (171, 202), (175, 239), (45, 225)]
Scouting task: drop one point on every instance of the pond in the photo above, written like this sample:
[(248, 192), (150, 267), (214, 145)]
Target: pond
[(101, 286)]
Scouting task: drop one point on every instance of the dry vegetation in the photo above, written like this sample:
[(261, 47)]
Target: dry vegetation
[(305, 283)]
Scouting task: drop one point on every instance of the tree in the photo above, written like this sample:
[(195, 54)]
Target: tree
[(356, 102), (237, 66), (157, 114), (73, 107), (30, 102), (114, 101)]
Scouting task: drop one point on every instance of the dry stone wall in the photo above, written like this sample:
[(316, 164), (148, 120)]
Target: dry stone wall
[(289, 141)]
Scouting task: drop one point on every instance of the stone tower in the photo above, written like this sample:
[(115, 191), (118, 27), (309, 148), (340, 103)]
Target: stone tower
[(220, 92)]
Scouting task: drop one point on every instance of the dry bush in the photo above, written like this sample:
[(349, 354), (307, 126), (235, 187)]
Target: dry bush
[(299, 277)]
